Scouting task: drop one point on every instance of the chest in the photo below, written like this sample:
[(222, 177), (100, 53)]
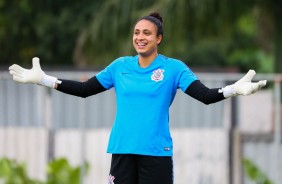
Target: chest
[(152, 83)]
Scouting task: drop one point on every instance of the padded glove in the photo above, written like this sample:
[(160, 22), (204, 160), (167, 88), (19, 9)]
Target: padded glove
[(244, 86), (34, 75)]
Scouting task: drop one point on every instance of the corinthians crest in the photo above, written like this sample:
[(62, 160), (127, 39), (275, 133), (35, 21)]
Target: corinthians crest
[(157, 75)]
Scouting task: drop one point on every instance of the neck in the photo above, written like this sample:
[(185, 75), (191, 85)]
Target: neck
[(145, 61)]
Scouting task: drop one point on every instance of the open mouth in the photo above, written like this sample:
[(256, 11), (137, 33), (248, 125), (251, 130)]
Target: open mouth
[(141, 45)]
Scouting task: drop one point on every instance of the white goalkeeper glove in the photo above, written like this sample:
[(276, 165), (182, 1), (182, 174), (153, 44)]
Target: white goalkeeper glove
[(244, 86), (34, 75)]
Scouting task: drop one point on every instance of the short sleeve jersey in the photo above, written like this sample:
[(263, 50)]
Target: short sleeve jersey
[(143, 98)]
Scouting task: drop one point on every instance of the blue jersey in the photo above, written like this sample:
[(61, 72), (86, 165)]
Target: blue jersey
[(143, 97)]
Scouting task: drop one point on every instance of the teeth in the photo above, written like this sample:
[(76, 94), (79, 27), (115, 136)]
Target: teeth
[(141, 44)]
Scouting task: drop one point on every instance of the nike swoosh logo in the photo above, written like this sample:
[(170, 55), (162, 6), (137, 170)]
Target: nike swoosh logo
[(123, 73)]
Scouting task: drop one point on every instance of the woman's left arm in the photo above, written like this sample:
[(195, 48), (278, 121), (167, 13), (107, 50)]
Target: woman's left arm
[(204, 94)]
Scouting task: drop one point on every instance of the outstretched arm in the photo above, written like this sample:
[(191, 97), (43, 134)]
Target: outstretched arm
[(81, 89), (204, 94), (37, 76), (34, 75), (244, 86)]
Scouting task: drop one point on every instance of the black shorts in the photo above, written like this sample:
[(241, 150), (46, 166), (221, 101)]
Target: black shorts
[(140, 169)]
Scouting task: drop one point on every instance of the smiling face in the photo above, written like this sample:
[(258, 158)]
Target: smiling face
[(145, 38)]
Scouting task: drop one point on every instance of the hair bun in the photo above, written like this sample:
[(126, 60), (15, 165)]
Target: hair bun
[(156, 15)]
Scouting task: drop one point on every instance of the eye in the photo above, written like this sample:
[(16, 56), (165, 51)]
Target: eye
[(147, 33)]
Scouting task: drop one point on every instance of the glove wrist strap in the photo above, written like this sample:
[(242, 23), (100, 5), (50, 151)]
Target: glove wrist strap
[(228, 91), (49, 81)]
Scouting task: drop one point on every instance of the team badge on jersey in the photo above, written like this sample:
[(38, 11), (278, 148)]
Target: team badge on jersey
[(157, 75)]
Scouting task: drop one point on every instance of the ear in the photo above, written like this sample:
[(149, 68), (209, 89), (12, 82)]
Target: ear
[(159, 38)]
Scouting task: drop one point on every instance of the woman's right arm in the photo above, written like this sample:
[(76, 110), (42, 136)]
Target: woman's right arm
[(36, 75), (81, 89)]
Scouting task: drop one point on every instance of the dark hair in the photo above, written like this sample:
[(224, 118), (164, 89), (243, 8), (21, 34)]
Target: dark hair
[(155, 18)]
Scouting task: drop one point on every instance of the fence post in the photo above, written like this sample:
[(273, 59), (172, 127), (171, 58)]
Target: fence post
[(277, 124)]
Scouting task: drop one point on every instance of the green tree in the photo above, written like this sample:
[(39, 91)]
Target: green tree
[(206, 32), (47, 29), (93, 33)]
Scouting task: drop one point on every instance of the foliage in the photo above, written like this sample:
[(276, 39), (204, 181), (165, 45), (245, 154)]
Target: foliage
[(206, 33), (254, 173), (93, 33), (59, 171), (13, 172), (46, 29)]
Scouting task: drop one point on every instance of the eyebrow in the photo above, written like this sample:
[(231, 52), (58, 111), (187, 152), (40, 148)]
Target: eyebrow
[(143, 30)]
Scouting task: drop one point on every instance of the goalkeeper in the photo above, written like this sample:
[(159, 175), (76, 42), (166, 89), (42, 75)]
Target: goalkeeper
[(145, 86)]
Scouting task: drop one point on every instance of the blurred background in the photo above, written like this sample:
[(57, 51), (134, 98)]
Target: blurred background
[(49, 137)]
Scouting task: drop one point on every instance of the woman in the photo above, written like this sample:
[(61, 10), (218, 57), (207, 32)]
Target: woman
[(145, 86)]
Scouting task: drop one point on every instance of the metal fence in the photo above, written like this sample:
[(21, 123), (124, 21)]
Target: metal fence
[(38, 124)]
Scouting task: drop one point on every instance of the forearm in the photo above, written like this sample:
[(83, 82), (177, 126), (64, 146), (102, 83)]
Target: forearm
[(81, 89), (204, 94)]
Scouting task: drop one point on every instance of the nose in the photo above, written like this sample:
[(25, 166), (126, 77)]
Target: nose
[(140, 37)]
